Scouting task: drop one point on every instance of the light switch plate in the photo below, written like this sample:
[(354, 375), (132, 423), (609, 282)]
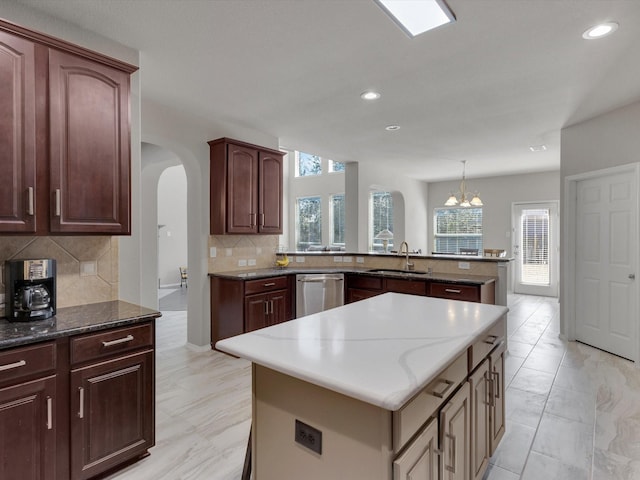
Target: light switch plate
[(359, 259), (337, 259), (347, 259), (299, 259), (89, 268), (213, 252), (252, 262), (464, 265), (242, 263)]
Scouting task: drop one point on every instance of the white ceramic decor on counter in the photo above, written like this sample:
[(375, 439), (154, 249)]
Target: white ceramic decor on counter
[(381, 350)]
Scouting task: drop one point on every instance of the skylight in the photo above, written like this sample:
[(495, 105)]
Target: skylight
[(417, 16)]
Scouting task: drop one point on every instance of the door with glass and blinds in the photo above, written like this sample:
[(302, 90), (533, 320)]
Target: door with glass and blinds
[(535, 248)]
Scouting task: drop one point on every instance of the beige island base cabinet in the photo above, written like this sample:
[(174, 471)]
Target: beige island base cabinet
[(446, 431)]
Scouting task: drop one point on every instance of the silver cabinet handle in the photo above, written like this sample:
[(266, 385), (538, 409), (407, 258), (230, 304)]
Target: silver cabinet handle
[(81, 410), (490, 391), (261, 215), (271, 307), (320, 279), (270, 284), (451, 290), (58, 203), (448, 385), (30, 201), (491, 340), (9, 366), (496, 379), (252, 219), (126, 339), (451, 468), (49, 413), (266, 307)]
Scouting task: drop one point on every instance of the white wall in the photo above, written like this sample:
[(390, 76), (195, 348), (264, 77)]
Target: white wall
[(172, 213), (609, 140), (497, 194), (186, 137)]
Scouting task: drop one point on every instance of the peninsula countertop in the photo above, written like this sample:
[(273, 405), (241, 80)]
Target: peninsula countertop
[(72, 321), (381, 350), (381, 272)]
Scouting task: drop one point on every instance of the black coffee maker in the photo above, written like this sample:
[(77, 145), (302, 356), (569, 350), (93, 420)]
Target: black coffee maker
[(30, 289)]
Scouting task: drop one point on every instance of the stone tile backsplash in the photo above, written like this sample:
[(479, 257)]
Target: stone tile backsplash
[(87, 266), (237, 252)]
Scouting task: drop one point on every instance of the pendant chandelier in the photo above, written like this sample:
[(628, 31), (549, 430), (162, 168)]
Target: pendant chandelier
[(462, 197)]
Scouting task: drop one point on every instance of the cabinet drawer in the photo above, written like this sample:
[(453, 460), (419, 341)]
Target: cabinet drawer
[(455, 291), (30, 361), (488, 341), (425, 404), (362, 281), (265, 285), (111, 342), (413, 287)]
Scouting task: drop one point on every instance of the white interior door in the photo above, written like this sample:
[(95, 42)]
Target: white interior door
[(606, 309), (535, 248)]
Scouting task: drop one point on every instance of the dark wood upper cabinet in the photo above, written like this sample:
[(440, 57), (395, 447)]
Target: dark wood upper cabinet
[(65, 142), (246, 188), (17, 134), (90, 146)]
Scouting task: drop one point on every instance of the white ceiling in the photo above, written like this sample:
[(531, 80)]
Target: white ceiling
[(506, 75)]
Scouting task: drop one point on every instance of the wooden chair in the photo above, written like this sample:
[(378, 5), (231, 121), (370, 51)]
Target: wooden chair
[(183, 277)]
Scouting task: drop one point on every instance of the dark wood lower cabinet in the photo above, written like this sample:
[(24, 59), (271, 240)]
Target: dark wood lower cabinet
[(27, 435), (266, 309), (112, 413)]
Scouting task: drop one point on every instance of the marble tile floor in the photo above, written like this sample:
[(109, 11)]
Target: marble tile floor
[(573, 412)]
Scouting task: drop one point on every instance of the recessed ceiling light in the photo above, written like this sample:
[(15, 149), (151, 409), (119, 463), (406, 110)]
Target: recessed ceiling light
[(417, 16), (538, 148), (370, 95), (392, 128), (599, 31)]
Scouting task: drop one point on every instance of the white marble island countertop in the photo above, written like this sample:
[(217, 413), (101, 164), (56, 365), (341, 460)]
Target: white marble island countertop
[(381, 350)]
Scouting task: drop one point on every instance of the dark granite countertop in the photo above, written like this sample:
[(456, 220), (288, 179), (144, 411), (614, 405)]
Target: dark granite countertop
[(73, 321), (433, 277)]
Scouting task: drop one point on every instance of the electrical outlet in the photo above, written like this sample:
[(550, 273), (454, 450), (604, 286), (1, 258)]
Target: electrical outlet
[(347, 259), (359, 259), (88, 268), (337, 259), (252, 262), (213, 252), (242, 263), (299, 259), (464, 265), (308, 437)]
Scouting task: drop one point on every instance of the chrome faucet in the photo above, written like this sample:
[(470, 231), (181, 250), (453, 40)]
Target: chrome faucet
[(409, 265)]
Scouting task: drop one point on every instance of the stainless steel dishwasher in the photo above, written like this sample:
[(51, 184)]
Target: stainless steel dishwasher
[(316, 292)]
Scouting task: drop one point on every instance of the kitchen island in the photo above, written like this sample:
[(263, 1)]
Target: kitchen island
[(377, 389)]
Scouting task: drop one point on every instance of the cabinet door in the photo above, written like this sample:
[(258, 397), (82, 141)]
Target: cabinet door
[(27, 435), (90, 146), (279, 310), (112, 413), (455, 423), (256, 311), (242, 189), (480, 420), (420, 460), (17, 134), (270, 194), (497, 423)]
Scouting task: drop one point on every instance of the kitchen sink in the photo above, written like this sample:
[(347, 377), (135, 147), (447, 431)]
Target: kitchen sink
[(390, 271)]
